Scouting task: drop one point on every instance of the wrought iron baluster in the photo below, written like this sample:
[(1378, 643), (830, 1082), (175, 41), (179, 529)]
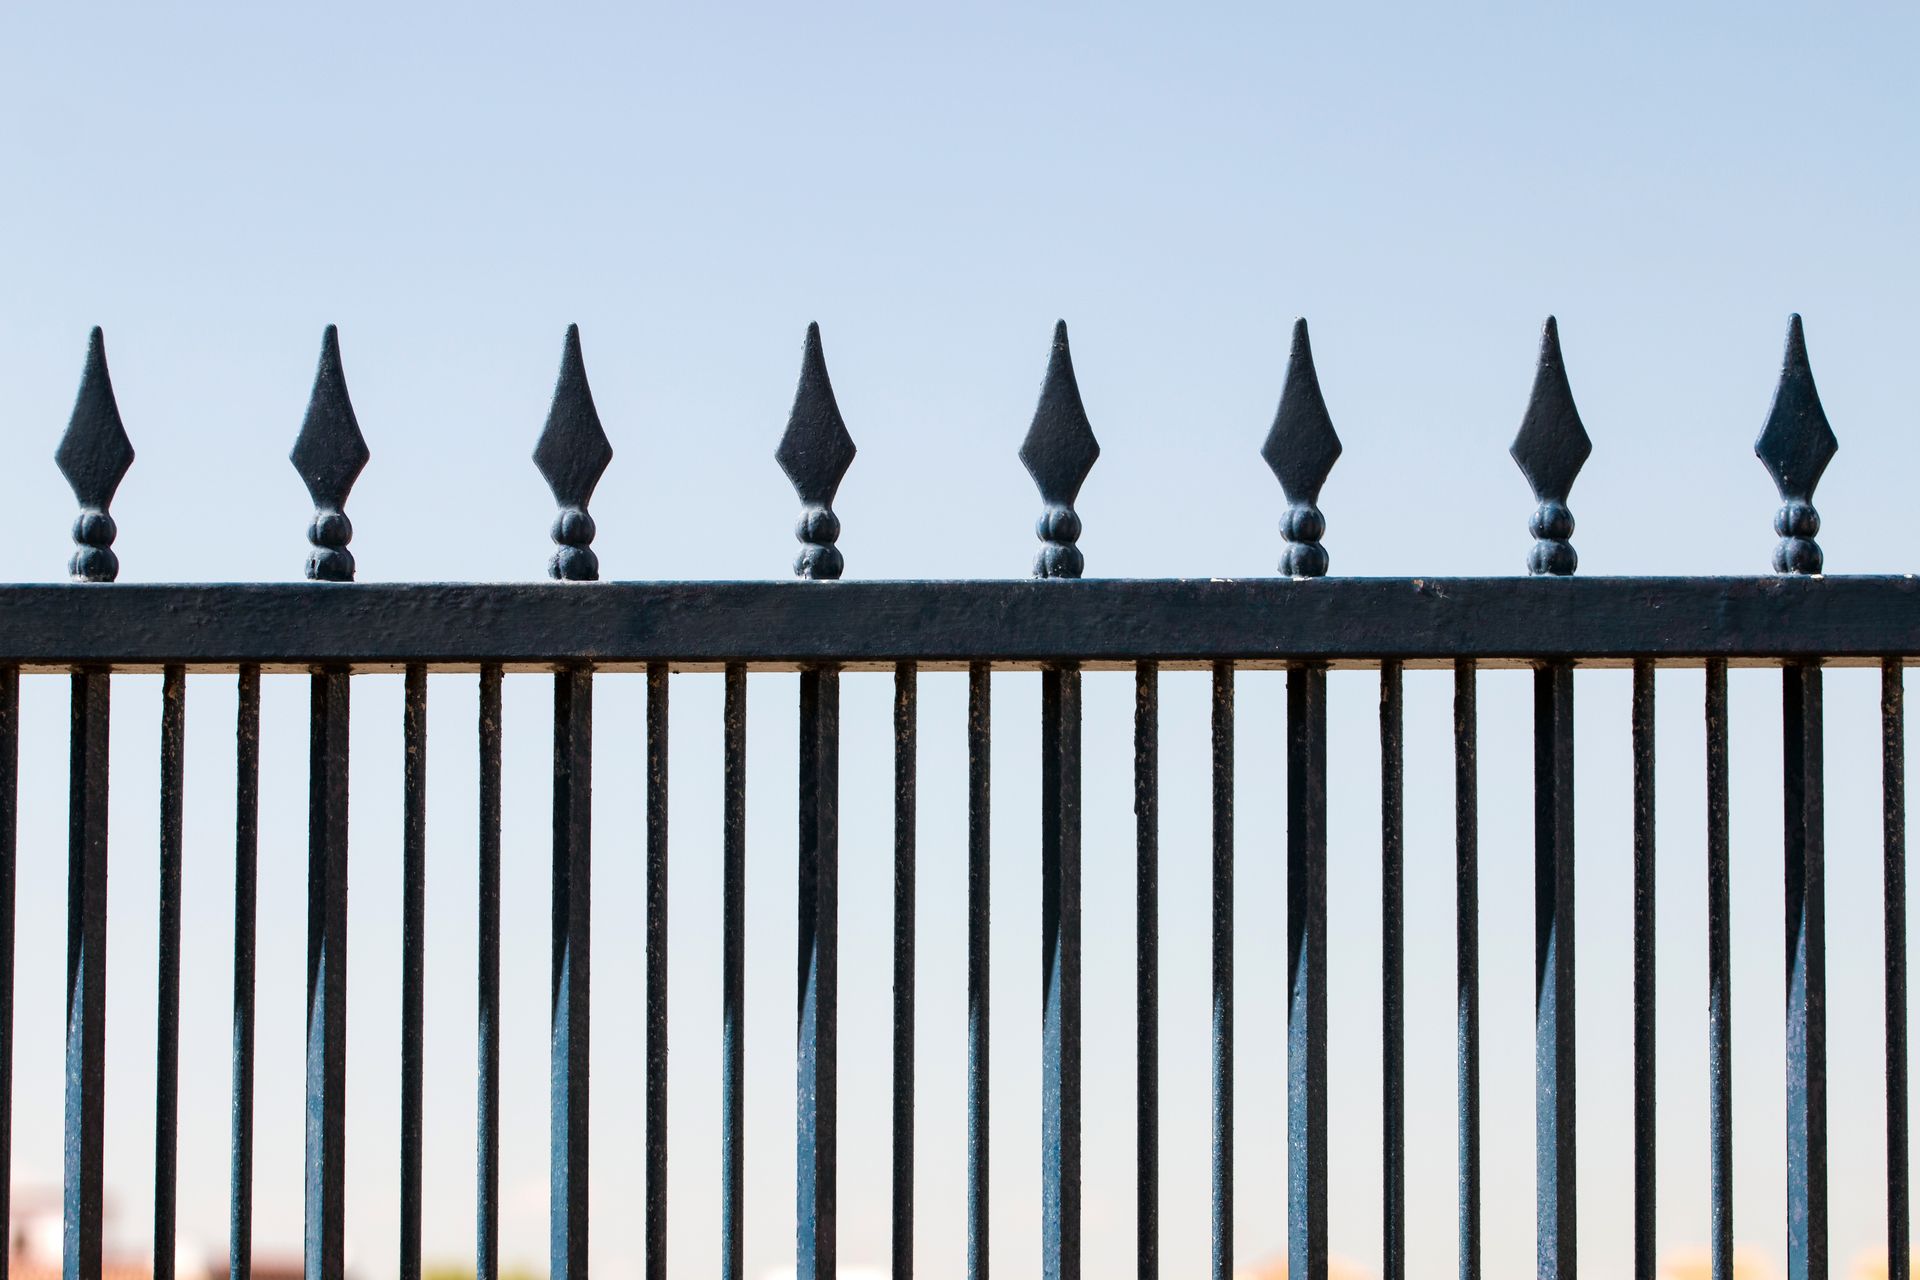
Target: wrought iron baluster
[(9, 836), (733, 948), (979, 959), (1307, 971), (656, 1101), (487, 1122), (166, 1073), (1060, 972), (572, 969), (1466, 846), (1893, 781), (1644, 1203), (817, 1096), (1550, 448), (1393, 1089), (413, 945), (1146, 810), (1795, 445), (905, 779), (1222, 1039), (1719, 976), (246, 864), (86, 975), (327, 976)]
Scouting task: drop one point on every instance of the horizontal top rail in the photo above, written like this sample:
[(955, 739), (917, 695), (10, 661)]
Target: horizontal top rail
[(1094, 622)]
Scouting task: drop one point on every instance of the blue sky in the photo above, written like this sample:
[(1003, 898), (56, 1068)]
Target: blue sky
[(453, 186)]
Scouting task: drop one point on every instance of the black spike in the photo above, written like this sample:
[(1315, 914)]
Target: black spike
[(1058, 453), (94, 455), (1301, 448), (329, 454), (572, 454), (815, 452), (1796, 445), (1550, 449)]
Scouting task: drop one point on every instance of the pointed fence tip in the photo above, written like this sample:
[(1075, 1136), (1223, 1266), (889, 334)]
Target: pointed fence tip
[(1059, 333)]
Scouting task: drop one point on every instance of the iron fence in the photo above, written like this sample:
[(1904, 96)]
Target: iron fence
[(1301, 621)]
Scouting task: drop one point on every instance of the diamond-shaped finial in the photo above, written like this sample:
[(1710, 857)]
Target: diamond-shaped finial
[(1550, 449), (1301, 448), (1796, 445), (94, 455), (815, 452), (1058, 453), (572, 454), (329, 455)]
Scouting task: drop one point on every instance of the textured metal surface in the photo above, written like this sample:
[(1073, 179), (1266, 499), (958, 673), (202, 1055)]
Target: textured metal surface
[(1644, 1149), (413, 962), (733, 970), (166, 1064), (979, 961), (1795, 446), (567, 1216), (816, 1095), (1307, 972), (1466, 852), (655, 1257), (1058, 452), (1719, 980), (1555, 1148), (1301, 447), (1806, 955), (326, 1173), (905, 802), (1146, 932), (1060, 973), (246, 873), (1393, 980), (1550, 449), (94, 455), (1112, 624), (1222, 1039), (86, 977), (572, 454), (329, 453), (815, 452)]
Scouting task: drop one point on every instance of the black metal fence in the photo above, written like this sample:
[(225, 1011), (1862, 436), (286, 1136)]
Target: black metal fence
[(1301, 621)]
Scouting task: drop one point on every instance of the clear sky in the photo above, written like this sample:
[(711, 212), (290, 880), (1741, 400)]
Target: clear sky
[(935, 185)]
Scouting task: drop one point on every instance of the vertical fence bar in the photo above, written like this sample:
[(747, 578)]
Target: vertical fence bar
[(1466, 880), (1393, 1099), (1307, 972), (979, 957), (327, 976), (413, 953), (733, 967), (905, 781), (1719, 976), (86, 975), (166, 1067), (1644, 1259), (817, 1093), (246, 863), (9, 836), (1553, 1026), (487, 1122), (1146, 811), (656, 1120), (1893, 784), (1806, 974), (1060, 973), (1222, 971), (572, 970)]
